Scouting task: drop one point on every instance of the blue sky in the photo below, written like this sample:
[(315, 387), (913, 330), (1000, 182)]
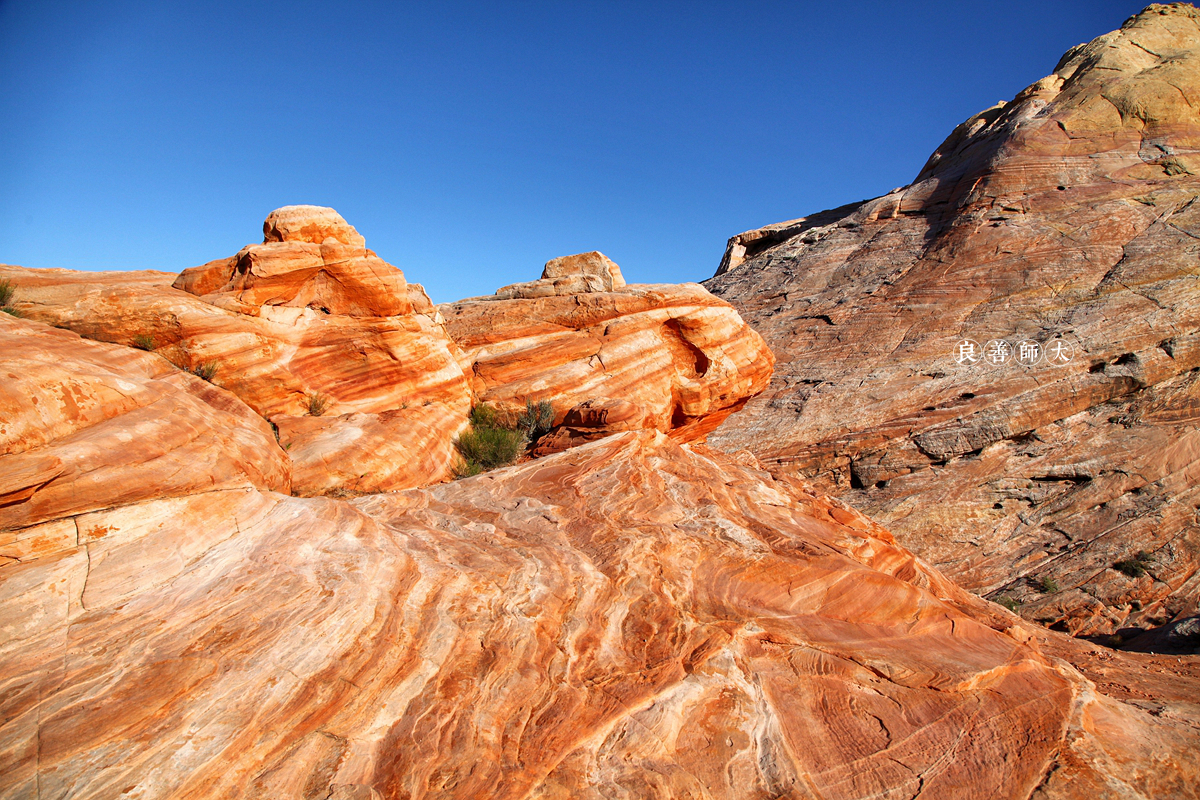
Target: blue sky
[(471, 142)]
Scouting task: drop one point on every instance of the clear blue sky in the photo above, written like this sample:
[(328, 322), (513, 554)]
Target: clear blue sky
[(471, 142)]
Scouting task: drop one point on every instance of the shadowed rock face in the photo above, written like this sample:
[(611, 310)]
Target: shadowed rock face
[(1067, 213)]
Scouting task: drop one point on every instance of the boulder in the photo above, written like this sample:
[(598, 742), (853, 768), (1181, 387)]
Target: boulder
[(568, 275)]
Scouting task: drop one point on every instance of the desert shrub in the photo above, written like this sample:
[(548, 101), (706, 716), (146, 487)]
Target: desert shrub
[(7, 290), (485, 416), (495, 440), (1009, 603), (1131, 567), (316, 404), (144, 341), (1135, 567), (1048, 585), (206, 370), (536, 420), (489, 448)]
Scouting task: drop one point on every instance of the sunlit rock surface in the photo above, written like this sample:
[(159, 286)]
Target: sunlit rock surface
[(630, 618), (685, 358), (290, 326), (1067, 214), (86, 426)]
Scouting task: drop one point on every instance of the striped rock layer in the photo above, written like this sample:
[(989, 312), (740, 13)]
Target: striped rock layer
[(631, 618)]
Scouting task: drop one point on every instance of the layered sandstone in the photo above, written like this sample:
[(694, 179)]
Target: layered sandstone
[(365, 385), (87, 426), (685, 359), (1068, 214), (309, 317), (628, 619)]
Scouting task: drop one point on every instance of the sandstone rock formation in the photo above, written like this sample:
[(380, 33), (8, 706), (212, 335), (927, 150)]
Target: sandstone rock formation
[(86, 426), (583, 272), (627, 619), (1068, 214), (310, 258), (683, 357), (310, 319), (308, 313)]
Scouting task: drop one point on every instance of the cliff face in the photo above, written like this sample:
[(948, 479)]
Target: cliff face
[(1069, 216)]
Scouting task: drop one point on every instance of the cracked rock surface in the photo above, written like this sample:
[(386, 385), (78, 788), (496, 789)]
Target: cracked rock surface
[(1068, 215)]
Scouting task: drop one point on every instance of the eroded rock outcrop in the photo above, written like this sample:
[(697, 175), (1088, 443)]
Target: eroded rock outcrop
[(628, 619), (88, 426), (309, 318), (1068, 214), (683, 357), (364, 383), (583, 272)]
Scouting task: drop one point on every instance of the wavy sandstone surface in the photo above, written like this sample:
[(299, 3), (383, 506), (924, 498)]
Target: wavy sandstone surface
[(631, 618), (301, 315), (682, 357), (1071, 214)]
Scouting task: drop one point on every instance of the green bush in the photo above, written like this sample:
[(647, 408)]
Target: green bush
[(495, 440), (1009, 603), (536, 420), (489, 448), (1048, 585), (316, 404), (206, 370), (1135, 567), (144, 341), (7, 290)]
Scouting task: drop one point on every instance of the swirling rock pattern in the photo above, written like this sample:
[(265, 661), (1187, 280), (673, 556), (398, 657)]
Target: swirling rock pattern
[(630, 618), (683, 356), (626, 619), (302, 317), (1069, 212)]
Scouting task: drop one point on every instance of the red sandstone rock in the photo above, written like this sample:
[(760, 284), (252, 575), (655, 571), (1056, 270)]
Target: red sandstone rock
[(1067, 212), (87, 425), (314, 224), (279, 355), (630, 618), (684, 357), (310, 258), (592, 420)]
